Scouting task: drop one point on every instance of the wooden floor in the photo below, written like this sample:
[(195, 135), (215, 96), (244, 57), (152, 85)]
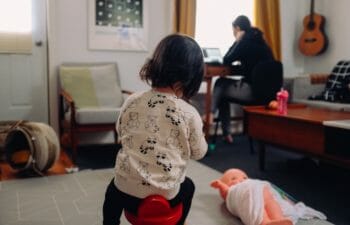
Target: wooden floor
[(7, 173)]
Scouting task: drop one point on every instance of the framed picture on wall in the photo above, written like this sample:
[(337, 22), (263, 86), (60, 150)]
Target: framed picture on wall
[(117, 25)]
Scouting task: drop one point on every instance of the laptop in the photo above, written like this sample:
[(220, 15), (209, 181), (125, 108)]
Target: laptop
[(212, 56)]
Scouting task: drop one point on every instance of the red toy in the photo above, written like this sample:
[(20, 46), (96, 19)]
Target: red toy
[(155, 210)]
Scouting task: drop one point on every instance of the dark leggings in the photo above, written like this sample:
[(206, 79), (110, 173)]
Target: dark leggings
[(116, 201), (228, 91)]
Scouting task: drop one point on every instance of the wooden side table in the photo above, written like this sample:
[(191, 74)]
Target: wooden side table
[(301, 130)]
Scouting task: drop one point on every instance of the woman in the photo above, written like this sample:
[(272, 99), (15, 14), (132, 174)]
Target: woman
[(249, 49)]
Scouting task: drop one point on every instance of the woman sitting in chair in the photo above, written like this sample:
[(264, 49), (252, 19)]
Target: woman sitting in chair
[(249, 49)]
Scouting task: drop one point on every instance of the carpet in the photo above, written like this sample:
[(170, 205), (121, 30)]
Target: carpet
[(75, 199), (320, 185)]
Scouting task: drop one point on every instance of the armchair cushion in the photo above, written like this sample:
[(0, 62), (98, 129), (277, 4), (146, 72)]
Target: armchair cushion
[(92, 85), (93, 115)]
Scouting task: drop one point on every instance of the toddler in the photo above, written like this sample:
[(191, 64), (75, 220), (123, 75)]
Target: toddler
[(159, 132)]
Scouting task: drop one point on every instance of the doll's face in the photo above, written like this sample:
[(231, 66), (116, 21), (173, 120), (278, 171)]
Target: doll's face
[(233, 176)]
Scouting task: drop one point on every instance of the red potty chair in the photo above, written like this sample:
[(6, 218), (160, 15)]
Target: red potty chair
[(155, 210)]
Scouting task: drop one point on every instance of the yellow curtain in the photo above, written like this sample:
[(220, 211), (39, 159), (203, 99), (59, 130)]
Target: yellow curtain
[(267, 19), (184, 20)]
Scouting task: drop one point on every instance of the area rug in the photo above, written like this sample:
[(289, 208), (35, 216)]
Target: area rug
[(76, 199)]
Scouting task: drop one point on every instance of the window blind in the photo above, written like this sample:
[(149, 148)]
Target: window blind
[(16, 26), (11, 42)]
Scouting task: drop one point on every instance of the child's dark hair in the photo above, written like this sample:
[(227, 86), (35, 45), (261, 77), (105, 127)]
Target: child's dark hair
[(177, 58)]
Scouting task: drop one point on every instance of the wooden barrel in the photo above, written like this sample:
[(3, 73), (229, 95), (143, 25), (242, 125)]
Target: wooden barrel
[(31, 145)]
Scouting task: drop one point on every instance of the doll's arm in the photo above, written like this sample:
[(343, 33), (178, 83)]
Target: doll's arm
[(221, 186)]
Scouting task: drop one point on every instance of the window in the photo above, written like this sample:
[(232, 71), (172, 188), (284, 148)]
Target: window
[(214, 21), (15, 26)]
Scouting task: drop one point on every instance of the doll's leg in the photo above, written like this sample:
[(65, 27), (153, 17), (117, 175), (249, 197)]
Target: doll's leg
[(273, 214), (272, 208), (267, 221)]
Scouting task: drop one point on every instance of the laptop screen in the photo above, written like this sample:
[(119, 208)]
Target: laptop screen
[(212, 55)]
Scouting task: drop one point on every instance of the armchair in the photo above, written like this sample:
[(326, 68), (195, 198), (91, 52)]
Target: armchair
[(90, 100)]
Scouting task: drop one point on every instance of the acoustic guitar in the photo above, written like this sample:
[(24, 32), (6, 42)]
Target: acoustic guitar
[(313, 41)]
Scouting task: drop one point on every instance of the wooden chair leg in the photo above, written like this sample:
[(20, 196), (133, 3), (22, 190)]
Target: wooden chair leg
[(115, 134), (212, 145), (216, 130), (74, 145)]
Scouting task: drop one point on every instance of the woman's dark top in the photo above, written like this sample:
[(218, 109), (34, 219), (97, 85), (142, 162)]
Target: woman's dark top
[(250, 50)]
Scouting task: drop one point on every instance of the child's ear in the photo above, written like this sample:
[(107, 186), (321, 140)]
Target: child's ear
[(177, 88)]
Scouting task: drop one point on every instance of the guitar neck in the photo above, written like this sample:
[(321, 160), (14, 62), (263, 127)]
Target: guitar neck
[(312, 4)]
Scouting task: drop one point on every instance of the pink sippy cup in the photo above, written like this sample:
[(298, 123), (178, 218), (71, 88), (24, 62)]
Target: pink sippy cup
[(282, 99)]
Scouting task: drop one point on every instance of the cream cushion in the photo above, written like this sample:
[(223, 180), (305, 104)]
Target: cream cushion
[(95, 90), (92, 86), (93, 115)]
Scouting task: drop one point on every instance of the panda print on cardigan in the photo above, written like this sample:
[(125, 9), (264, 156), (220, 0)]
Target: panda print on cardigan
[(159, 133)]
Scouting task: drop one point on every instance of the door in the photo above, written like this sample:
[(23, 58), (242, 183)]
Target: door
[(23, 77)]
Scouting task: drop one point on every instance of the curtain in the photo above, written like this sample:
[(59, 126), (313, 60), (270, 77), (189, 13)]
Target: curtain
[(267, 19), (184, 19)]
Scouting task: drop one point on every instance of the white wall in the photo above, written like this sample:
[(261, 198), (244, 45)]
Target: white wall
[(68, 39), (68, 24), (292, 13)]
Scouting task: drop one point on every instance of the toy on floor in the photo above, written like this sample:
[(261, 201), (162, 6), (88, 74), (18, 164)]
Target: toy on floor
[(255, 202), (155, 210)]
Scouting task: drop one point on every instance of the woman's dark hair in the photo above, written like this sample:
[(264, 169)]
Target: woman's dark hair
[(177, 58), (242, 22)]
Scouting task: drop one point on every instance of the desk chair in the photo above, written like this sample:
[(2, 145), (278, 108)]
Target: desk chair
[(90, 100), (267, 80)]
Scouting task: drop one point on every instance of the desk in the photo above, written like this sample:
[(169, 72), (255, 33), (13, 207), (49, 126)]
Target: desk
[(210, 72)]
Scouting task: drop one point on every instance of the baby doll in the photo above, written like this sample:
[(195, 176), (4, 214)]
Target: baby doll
[(243, 196), (255, 202)]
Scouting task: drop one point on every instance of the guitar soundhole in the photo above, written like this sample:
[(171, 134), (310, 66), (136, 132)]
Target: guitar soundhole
[(311, 25), (310, 40)]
